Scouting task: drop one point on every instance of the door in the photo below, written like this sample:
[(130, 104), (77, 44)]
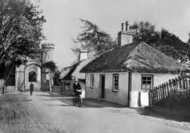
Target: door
[(129, 87), (102, 85)]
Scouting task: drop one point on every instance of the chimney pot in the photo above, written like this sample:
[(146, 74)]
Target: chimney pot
[(126, 25), (83, 55), (122, 26)]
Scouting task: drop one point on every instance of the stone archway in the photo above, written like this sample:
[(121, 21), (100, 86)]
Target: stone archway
[(33, 75), (23, 78)]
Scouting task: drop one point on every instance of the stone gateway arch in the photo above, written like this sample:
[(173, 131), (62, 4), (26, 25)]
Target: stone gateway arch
[(33, 72)]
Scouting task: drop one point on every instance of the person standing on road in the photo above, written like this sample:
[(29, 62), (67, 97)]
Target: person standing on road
[(31, 88), (77, 92)]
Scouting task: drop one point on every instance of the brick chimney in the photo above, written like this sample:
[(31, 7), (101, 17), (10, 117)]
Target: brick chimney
[(83, 55), (126, 35)]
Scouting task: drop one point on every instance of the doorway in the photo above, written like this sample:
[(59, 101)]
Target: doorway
[(102, 85), (129, 87)]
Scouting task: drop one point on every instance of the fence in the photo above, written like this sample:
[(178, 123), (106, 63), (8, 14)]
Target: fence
[(179, 85)]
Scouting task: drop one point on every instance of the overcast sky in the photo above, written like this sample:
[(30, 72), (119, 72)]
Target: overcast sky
[(63, 19)]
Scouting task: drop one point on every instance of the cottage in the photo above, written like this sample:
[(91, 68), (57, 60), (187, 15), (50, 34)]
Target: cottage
[(123, 74), (71, 73), (66, 76)]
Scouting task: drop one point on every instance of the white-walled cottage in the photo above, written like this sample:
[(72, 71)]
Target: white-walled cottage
[(125, 74), (121, 74)]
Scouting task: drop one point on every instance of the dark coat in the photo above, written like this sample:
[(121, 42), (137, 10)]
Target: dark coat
[(31, 87), (77, 89)]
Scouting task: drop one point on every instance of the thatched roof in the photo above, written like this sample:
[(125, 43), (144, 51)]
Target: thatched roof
[(66, 73), (74, 70), (135, 57), (76, 73)]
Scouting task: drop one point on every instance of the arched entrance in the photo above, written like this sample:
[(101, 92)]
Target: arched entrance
[(27, 74), (33, 75)]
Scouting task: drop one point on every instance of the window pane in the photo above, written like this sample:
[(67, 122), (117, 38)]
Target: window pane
[(146, 82), (115, 81)]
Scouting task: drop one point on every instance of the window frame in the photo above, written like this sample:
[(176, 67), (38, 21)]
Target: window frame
[(151, 84), (115, 82)]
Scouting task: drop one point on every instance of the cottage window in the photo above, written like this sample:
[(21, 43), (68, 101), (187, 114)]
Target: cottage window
[(146, 82), (115, 82), (91, 80)]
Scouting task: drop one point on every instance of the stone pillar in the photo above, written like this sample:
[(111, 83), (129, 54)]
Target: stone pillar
[(47, 55)]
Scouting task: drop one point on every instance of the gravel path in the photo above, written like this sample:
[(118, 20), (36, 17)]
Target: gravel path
[(44, 113)]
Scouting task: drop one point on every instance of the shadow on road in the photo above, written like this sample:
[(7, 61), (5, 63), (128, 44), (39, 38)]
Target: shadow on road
[(172, 109)]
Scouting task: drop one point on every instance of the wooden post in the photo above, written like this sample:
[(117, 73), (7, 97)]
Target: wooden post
[(164, 91), (170, 87), (167, 89), (160, 93), (186, 84), (176, 83), (157, 94), (150, 97), (180, 84)]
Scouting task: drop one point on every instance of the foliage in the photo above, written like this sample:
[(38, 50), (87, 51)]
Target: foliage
[(146, 33), (56, 78), (163, 40), (177, 44), (92, 38), (20, 32), (56, 73), (50, 65)]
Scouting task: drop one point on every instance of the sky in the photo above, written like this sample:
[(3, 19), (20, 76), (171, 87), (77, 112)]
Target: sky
[(63, 24)]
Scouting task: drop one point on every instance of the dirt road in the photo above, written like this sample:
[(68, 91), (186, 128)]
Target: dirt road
[(44, 113)]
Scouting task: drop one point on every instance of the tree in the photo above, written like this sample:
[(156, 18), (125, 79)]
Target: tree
[(56, 78), (20, 33), (53, 68), (146, 32), (93, 38), (50, 65), (162, 40)]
